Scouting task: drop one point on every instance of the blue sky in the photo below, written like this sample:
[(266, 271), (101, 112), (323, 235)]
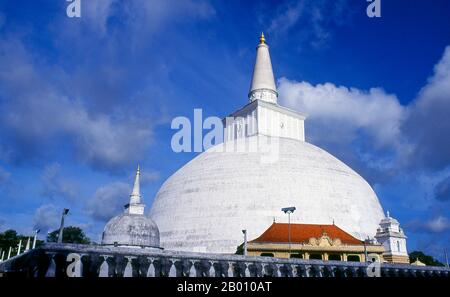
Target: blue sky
[(83, 100)]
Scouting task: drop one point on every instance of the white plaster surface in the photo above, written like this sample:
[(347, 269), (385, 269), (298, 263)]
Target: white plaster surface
[(131, 230), (204, 206), (263, 82)]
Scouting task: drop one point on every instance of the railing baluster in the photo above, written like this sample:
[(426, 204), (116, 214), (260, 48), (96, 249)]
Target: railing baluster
[(173, 269), (104, 268)]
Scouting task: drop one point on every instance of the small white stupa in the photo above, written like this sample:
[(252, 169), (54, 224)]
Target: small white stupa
[(132, 228)]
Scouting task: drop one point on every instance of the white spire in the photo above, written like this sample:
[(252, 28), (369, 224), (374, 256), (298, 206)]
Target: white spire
[(263, 82), (135, 206), (135, 196), (19, 247)]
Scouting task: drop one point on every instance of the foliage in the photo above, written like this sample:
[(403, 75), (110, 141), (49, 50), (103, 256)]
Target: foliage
[(10, 238), (426, 259), (240, 249), (71, 234)]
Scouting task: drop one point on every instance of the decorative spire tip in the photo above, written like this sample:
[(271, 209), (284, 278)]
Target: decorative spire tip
[(262, 39)]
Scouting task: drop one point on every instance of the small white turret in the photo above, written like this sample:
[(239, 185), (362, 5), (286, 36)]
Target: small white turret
[(393, 239), (132, 228)]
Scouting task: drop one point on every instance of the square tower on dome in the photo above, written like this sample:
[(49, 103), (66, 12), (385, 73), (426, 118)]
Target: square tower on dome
[(264, 118), (262, 115)]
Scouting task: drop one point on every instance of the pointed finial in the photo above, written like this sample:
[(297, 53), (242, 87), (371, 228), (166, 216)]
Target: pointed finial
[(262, 39), (388, 215), (135, 196), (136, 207)]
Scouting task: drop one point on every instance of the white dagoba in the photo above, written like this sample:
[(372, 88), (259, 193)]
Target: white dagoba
[(132, 228), (263, 165)]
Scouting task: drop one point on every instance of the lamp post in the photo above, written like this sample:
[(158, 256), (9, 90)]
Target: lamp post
[(245, 242), (365, 251), (61, 228), (446, 258), (289, 210)]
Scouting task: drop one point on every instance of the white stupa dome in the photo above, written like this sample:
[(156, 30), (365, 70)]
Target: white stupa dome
[(207, 203), (132, 228)]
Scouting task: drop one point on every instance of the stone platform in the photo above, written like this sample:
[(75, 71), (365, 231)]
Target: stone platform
[(64, 260)]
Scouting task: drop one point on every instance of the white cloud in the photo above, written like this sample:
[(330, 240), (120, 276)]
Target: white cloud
[(371, 130), (428, 123), (47, 218), (442, 189), (313, 20), (108, 201), (148, 177), (143, 15), (437, 224), (42, 112), (344, 111), (287, 18), (55, 186)]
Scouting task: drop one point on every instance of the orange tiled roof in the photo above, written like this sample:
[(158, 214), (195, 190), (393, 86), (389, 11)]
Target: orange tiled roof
[(278, 232)]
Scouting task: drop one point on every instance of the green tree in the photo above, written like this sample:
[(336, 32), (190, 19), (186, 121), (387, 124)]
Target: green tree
[(426, 259), (10, 238), (71, 234), (240, 249)]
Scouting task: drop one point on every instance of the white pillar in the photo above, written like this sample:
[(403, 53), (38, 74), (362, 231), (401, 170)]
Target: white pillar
[(34, 239), (245, 242), (104, 269), (20, 247), (27, 247), (9, 253), (192, 271), (3, 256), (128, 272), (151, 268)]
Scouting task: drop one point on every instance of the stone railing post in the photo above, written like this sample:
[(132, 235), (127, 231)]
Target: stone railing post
[(104, 268), (51, 270), (151, 268), (212, 271), (230, 269), (128, 271), (192, 270)]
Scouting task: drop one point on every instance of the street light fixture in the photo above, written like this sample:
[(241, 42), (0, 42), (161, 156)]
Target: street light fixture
[(61, 228), (289, 210)]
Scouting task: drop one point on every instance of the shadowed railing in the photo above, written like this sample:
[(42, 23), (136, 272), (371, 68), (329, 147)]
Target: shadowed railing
[(71, 260)]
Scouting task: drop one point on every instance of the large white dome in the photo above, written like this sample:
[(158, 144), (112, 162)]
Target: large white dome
[(206, 204)]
